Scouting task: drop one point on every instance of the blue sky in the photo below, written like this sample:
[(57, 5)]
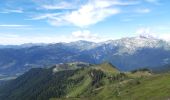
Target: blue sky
[(50, 21)]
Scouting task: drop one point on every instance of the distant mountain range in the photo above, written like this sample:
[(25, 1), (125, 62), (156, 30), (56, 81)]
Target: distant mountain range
[(126, 53)]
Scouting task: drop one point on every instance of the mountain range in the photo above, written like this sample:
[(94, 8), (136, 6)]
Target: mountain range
[(126, 53)]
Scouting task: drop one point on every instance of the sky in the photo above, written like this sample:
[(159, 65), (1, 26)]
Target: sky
[(51, 21)]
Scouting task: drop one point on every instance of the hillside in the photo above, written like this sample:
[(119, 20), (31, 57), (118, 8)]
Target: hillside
[(151, 88), (41, 84), (90, 82)]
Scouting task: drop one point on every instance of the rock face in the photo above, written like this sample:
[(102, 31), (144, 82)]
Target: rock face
[(126, 53)]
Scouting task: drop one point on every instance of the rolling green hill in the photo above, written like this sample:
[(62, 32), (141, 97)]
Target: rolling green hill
[(81, 81)]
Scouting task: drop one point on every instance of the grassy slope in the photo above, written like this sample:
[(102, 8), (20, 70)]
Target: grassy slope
[(107, 67), (82, 86), (99, 82), (155, 87), (84, 90), (152, 88)]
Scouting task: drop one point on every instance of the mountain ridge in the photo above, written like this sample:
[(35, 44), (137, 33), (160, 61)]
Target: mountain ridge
[(127, 53)]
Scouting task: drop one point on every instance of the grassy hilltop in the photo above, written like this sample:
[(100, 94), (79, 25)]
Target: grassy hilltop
[(81, 81)]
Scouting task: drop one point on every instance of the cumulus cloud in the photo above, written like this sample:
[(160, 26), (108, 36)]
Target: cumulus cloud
[(87, 14), (88, 36), (74, 36), (85, 34), (84, 14), (45, 16), (12, 39), (91, 13), (148, 32)]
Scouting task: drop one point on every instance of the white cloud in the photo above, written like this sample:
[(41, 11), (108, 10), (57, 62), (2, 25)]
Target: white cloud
[(12, 11), (45, 16), (12, 25), (85, 35), (83, 14), (148, 32), (88, 14), (13, 39), (89, 36), (91, 14)]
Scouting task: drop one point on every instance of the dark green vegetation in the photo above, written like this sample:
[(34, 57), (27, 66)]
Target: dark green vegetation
[(81, 81)]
